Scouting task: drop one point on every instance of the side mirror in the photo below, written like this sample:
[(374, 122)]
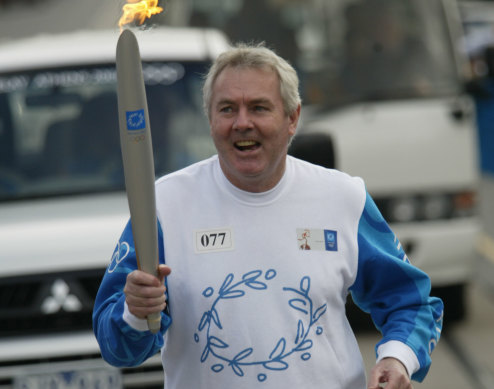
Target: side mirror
[(462, 108), (315, 148)]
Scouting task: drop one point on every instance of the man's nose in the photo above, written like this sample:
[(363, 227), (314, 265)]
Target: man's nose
[(243, 120)]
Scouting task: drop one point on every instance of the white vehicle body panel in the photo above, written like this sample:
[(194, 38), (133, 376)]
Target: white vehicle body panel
[(61, 234), (90, 47), (403, 146)]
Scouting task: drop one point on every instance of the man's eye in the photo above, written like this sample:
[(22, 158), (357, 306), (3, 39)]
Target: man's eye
[(227, 109), (260, 108)]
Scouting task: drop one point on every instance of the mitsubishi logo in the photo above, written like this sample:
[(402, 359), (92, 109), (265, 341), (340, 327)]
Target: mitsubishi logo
[(60, 298)]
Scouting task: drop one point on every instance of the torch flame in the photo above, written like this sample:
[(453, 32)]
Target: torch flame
[(139, 11)]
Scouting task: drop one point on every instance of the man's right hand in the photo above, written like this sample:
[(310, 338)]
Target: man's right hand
[(145, 293)]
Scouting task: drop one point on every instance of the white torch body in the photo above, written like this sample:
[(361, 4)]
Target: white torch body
[(137, 156)]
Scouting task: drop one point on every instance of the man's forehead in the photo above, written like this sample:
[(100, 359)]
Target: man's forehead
[(260, 71), (256, 80)]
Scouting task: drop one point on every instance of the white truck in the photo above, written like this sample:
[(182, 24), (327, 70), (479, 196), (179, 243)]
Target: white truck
[(386, 89), (62, 198)]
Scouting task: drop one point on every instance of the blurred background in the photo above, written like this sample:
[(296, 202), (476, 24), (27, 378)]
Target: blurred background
[(399, 92)]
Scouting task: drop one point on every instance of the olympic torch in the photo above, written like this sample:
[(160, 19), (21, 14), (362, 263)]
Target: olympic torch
[(137, 156)]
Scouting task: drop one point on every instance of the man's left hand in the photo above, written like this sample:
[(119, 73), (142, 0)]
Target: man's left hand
[(391, 372)]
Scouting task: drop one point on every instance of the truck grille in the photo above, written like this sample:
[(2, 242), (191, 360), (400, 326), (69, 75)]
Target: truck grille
[(44, 303), (149, 375)]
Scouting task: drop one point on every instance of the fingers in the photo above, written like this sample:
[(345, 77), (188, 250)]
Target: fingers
[(389, 373), (163, 271), (145, 293)]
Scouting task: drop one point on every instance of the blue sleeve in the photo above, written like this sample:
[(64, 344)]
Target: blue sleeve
[(120, 344), (394, 292)]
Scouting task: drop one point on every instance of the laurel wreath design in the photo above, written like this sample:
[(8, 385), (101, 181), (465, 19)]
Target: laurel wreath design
[(278, 359)]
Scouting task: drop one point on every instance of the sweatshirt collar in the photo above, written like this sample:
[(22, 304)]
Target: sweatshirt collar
[(251, 198)]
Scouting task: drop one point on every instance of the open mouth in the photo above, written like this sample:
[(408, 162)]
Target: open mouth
[(246, 145)]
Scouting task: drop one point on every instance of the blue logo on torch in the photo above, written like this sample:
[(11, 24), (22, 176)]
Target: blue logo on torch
[(135, 120)]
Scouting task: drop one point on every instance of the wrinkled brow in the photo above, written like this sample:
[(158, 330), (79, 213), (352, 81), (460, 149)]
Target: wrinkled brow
[(260, 100)]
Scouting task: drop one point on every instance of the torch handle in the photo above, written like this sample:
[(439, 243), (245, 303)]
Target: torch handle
[(137, 156)]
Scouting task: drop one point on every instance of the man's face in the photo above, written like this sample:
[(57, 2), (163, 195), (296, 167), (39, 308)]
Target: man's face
[(250, 128)]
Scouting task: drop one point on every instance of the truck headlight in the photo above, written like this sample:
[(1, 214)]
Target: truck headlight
[(437, 206), (402, 210)]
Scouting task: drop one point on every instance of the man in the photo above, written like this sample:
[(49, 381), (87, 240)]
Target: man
[(264, 250)]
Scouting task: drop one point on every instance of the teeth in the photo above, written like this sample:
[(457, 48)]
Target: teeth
[(245, 143)]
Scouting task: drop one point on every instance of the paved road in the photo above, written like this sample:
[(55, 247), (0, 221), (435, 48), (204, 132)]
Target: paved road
[(464, 357)]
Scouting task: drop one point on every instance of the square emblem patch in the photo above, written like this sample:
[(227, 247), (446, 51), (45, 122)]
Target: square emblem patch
[(317, 239), (136, 120), (331, 240)]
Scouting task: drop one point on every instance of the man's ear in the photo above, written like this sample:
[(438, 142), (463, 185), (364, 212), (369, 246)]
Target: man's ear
[(294, 116)]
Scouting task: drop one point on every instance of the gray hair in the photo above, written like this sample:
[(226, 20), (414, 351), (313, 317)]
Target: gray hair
[(255, 56)]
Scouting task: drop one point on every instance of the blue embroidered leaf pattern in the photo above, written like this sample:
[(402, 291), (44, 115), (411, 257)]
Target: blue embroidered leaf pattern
[(208, 292), (233, 294), (277, 359), (279, 349), (205, 353), (305, 345), (204, 321), (305, 285), (256, 285), (276, 365), (236, 369), (217, 368), (217, 342), (319, 312), (296, 291), (299, 305), (252, 275), (243, 354), (226, 283), (300, 331), (216, 318)]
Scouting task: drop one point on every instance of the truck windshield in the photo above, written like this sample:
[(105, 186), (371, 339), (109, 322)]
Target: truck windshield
[(59, 127), (381, 49)]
